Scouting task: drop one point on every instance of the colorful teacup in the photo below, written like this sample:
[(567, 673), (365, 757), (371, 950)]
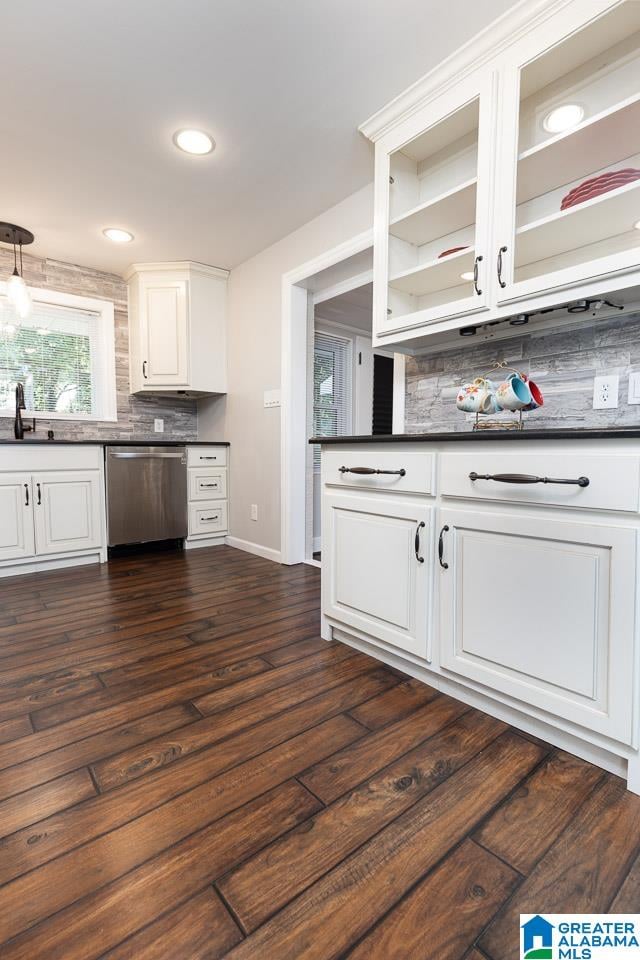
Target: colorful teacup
[(513, 393), (477, 397), (537, 399)]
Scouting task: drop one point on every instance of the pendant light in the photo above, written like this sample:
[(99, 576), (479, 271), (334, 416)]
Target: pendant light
[(17, 291)]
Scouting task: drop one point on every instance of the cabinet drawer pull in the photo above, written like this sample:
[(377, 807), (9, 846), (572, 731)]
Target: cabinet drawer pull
[(208, 458), (526, 478), (475, 275), (443, 563), (208, 485), (210, 518), (368, 471), (416, 544), (502, 282), (39, 494), (26, 494), (144, 369)]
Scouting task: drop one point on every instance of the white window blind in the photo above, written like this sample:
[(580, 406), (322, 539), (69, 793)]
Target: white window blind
[(331, 388), (55, 354)]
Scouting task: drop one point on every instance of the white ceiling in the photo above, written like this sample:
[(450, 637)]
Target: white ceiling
[(93, 92)]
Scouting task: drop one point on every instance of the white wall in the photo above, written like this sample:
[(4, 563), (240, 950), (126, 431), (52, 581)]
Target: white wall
[(254, 322)]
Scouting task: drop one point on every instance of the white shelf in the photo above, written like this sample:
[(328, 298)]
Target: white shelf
[(608, 215), (596, 143), (435, 275), (439, 216)]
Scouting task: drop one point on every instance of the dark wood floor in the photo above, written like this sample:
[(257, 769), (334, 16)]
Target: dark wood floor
[(188, 771)]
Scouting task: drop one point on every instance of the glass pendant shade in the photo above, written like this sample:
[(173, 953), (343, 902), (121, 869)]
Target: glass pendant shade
[(18, 295)]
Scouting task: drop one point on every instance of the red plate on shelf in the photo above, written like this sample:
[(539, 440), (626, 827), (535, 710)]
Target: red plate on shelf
[(598, 185), (447, 253)]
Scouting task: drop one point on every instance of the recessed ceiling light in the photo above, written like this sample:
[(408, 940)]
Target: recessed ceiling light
[(117, 235), (563, 118), (468, 275), (196, 142)]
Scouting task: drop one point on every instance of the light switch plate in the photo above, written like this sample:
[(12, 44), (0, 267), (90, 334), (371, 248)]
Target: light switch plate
[(634, 388), (158, 425), (605, 392), (272, 398)]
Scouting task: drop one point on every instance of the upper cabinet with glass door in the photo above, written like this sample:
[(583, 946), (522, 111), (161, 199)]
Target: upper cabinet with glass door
[(573, 99), (433, 178)]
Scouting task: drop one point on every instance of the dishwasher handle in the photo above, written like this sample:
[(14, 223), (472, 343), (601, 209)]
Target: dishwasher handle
[(137, 455)]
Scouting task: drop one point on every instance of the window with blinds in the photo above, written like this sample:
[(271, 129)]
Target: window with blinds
[(331, 388), (55, 354)]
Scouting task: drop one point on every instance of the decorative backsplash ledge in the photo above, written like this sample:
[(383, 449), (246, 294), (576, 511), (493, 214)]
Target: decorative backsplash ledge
[(563, 363), (135, 414)]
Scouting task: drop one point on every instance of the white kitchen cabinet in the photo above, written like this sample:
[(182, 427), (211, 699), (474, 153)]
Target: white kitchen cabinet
[(177, 328), (433, 181), (542, 610), (472, 172), (16, 517), (67, 511), (208, 507), (377, 567), (52, 510), (592, 66)]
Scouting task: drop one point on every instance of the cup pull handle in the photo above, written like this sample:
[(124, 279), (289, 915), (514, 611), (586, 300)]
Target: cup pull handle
[(443, 563)]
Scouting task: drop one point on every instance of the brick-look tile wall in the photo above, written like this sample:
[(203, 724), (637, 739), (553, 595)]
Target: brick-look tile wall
[(562, 362), (135, 414)]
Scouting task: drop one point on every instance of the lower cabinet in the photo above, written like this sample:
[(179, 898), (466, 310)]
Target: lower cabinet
[(377, 567), (16, 517), (67, 511), (542, 610)]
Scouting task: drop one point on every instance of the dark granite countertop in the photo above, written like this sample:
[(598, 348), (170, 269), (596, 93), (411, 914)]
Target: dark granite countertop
[(143, 442), (614, 433)]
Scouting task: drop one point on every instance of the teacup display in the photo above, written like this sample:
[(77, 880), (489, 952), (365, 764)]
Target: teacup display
[(477, 397), (513, 393)]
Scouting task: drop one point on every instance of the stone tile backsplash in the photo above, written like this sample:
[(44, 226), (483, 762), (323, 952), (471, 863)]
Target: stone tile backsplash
[(135, 414), (563, 363)]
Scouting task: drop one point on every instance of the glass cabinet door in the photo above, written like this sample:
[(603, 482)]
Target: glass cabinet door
[(432, 209), (575, 211)]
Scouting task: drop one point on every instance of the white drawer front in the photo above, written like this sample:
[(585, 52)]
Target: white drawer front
[(207, 519), (418, 476), (205, 484), (614, 481), (206, 456)]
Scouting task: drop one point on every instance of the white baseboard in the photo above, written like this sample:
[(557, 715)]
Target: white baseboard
[(40, 566), (267, 552), (195, 543)]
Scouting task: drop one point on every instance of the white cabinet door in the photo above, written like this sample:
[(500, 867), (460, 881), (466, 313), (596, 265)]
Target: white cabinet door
[(434, 180), (569, 152), (16, 517), (67, 509), (542, 610), (372, 577), (165, 333)]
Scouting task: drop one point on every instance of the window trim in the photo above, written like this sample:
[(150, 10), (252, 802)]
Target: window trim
[(105, 388)]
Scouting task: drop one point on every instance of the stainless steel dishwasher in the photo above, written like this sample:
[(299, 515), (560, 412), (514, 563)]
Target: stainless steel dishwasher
[(146, 494)]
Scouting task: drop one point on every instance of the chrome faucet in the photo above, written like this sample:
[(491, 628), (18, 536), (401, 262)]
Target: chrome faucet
[(19, 429)]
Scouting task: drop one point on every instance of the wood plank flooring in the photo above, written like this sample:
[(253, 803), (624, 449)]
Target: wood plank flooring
[(189, 772)]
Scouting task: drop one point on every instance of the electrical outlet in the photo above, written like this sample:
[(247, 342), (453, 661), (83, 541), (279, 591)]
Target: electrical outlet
[(254, 511), (605, 392), (634, 388), (158, 425)]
